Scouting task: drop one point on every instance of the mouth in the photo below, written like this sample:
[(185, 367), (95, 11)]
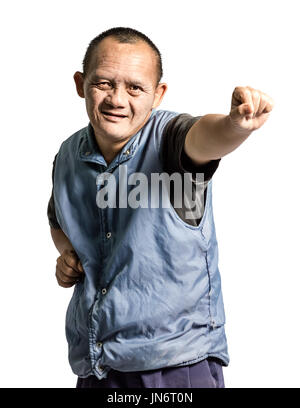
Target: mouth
[(114, 115)]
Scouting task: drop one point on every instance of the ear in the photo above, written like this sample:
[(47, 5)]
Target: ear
[(78, 78), (159, 94)]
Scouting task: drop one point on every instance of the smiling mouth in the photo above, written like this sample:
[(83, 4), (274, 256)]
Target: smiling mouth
[(116, 115)]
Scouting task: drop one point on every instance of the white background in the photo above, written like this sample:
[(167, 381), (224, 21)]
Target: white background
[(208, 48)]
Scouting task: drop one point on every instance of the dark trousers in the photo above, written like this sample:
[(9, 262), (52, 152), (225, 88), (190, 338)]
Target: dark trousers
[(207, 373)]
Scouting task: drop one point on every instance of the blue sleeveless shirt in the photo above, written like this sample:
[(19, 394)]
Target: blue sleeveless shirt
[(151, 294)]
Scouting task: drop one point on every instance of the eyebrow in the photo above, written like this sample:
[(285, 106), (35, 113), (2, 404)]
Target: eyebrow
[(104, 77)]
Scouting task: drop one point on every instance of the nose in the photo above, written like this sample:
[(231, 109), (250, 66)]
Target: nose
[(116, 97)]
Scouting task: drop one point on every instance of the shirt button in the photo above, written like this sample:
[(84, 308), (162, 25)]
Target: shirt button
[(87, 153), (103, 291), (100, 367), (108, 235), (127, 152), (99, 344)]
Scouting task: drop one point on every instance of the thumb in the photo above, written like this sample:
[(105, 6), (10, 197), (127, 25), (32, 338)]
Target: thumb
[(245, 109), (79, 265)]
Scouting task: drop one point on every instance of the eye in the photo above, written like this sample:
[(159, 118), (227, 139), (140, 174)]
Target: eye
[(104, 85), (135, 89)]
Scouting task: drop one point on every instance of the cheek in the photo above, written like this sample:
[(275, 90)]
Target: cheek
[(94, 99), (141, 108)]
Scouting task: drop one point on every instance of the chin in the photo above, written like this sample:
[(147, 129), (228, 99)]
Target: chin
[(112, 134), (110, 129)]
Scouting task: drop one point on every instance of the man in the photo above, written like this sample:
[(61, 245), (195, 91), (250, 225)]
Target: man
[(147, 307)]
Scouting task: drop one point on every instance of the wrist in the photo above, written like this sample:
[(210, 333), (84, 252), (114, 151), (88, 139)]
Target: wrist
[(234, 129)]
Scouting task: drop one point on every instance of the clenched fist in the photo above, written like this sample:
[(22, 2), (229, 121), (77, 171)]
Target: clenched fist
[(250, 108), (69, 269)]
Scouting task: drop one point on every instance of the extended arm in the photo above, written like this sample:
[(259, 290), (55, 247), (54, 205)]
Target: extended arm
[(215, 135)]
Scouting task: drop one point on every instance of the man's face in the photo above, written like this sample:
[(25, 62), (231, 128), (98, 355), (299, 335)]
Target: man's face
[(120, 88)]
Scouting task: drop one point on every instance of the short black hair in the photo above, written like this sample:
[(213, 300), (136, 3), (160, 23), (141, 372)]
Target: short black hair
[(122, 35)]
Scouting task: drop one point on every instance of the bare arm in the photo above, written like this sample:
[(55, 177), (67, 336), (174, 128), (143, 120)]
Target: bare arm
[(212, 137), (215, 135), (61, 241)]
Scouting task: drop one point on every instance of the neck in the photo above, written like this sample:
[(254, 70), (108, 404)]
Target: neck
[(108, 149)]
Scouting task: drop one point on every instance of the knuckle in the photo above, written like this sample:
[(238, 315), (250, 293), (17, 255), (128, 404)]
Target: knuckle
[(256, 94), (59, 281), (269, 99), (66, 279), (66, 269), (238, 89), (57, 273), (69, 272), (63, 283), (62, 277), (71, 260)]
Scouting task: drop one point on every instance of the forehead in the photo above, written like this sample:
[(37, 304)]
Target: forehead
[(114, 58)]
